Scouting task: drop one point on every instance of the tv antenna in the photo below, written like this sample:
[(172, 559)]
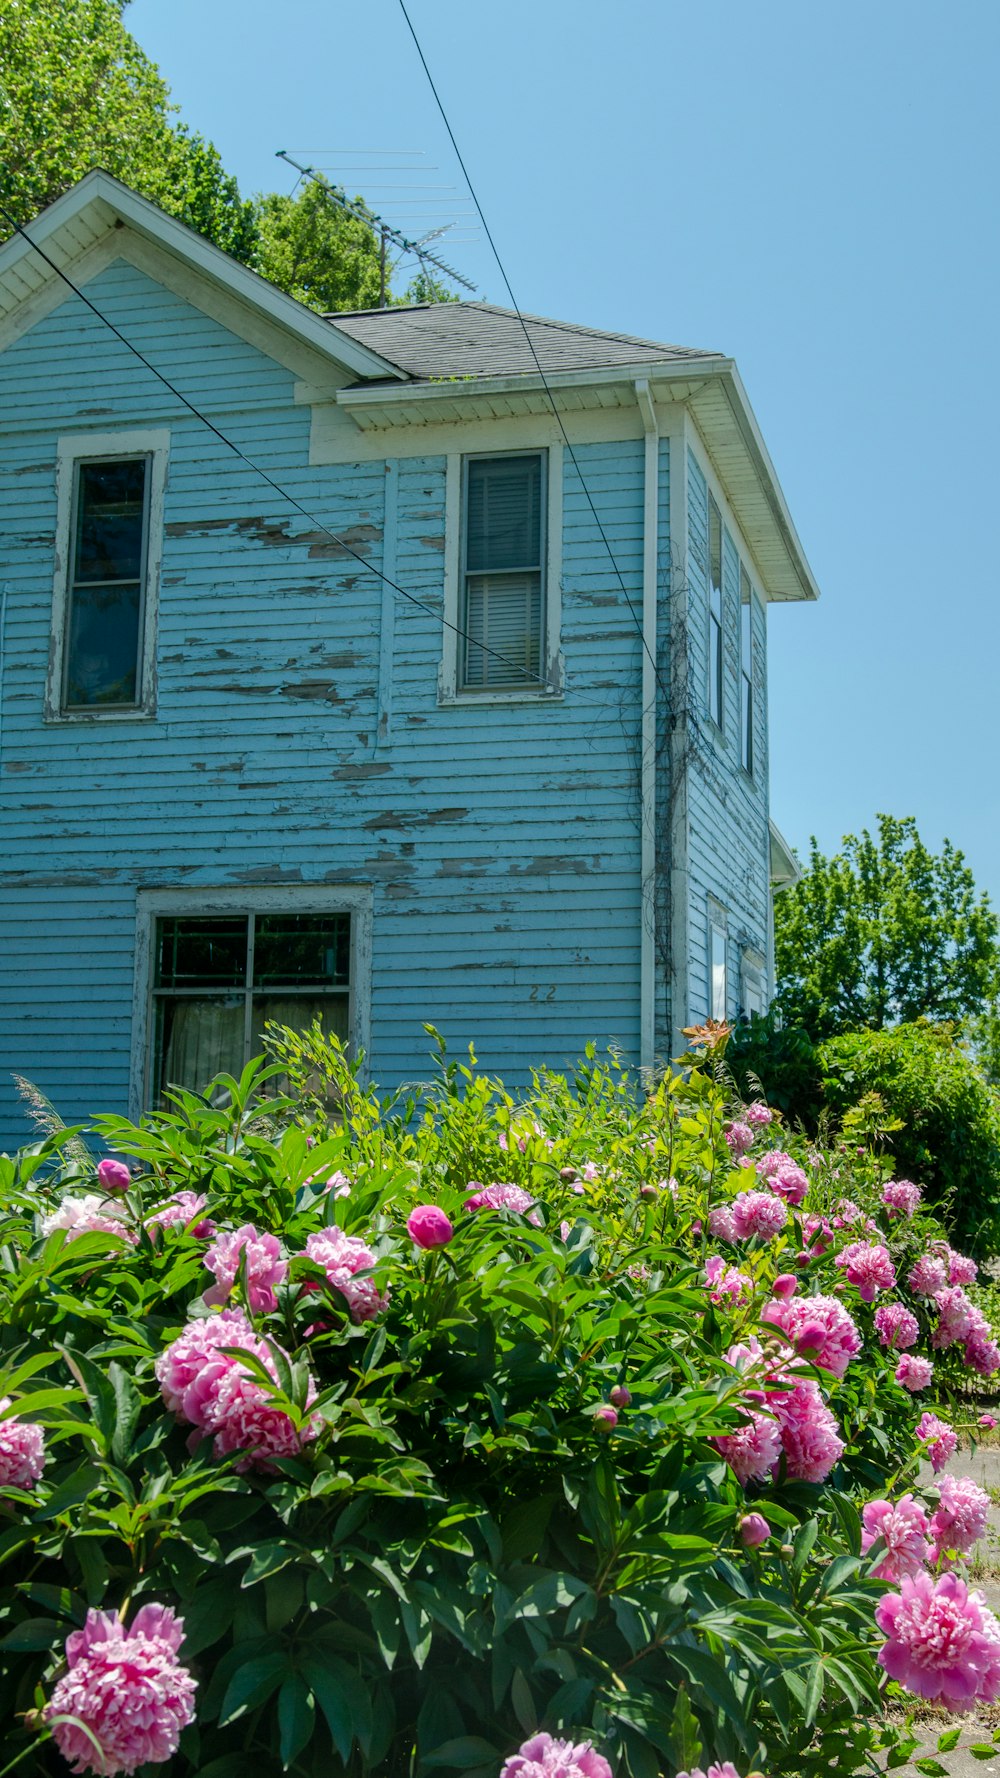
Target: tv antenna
[(387, 236)]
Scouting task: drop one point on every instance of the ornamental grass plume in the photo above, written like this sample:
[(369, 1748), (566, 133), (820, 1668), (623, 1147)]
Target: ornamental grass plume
[(868, 1267), (207, 1386), (545, 1757), (758, 1213), (257, 1256), (940, 1438), (904, 1530), (914, 1373), (342, 1257), (818, 1327), (127, 1687), (897, 1327), (960, 1517), (942, 1644), (22, 1450)]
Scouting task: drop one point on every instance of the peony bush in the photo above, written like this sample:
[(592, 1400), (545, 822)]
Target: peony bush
[(581, 1435)]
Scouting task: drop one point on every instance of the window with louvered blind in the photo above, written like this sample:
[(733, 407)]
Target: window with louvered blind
[(502, 611)]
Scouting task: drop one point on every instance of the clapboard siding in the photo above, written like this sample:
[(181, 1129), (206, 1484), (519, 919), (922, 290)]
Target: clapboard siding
[(727, 837), (501, 842)]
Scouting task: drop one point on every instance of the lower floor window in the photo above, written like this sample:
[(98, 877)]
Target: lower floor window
[(219, 978)]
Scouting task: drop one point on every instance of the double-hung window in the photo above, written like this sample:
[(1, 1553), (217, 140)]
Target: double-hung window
[(717, 973), (502, 597), (217, 979), (715, 656), (109, 522), (746, 671)]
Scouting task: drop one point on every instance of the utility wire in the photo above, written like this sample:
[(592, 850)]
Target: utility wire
[(531, 348), (269, 479)]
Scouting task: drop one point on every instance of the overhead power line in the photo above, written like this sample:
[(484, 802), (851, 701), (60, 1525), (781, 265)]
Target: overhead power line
[(265, 476), (531, 347)]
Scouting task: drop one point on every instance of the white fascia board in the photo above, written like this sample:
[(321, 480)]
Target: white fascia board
[(750, 432), (469, 388), (112, 202), (785, 868)]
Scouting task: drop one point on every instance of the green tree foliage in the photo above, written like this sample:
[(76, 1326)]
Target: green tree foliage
[(76, 92), (884, 932), (316, 252)]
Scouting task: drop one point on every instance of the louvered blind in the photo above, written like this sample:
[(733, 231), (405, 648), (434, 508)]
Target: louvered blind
[(504, 542)]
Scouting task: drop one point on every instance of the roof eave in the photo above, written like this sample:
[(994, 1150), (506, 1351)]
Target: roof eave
[(115, 202)]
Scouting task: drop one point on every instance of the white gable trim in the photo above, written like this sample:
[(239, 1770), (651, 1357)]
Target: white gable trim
[(99, 204)]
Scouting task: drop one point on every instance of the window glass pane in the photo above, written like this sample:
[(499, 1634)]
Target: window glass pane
[(196, 1039), (718, 973), (109, 521), (102, 647), (299, 1011), (504, 513), (310, 949), (503, 614), (202, 953)]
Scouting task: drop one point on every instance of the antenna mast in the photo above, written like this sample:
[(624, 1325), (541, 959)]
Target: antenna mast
[(386, 234)]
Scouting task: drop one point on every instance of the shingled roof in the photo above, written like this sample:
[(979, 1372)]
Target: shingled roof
[(477, 339)]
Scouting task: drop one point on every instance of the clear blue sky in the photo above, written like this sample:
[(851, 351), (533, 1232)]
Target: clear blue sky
[(812, 190)]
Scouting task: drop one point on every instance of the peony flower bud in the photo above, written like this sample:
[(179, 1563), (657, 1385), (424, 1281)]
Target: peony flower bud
[(754, 1529), (114, 1176), (785, 1285), (648, 1191), (606, 1418), (568, 1175), (428, 1226), (620, 1396)]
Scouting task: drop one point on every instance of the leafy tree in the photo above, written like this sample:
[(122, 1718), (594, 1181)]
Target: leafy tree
[(884, 932), (76, 92), (316, 252)]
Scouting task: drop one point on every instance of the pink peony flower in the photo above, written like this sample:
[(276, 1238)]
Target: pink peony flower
[(89, 1215), (22, 1451), (943, 1643), (901, 1197), (127, 1687), (260, 1255), (958, 1319), (810, 1441), (928, 1276), (896, 1327), (753, 1450), (818, 1327), (904, 1530), (725, 1281), (428, 1226), (739, 1137), (989, 1421), (754, 1529), (758, 1213), (114, 1176), (544, 1757), (179, 1211), (210, 1389), (759, 1115), (783, 1175), (960, 1517), (725, 1770), (960, 1269), (913, 1373), (868, 1267), (720, 1224), (785, 1285), (982, 1355), (503, 1197), (816, 1237), (940, 1439), (339, 1184), (342, 1257)]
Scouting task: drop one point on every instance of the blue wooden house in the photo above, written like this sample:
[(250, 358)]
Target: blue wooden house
[(398, 666)]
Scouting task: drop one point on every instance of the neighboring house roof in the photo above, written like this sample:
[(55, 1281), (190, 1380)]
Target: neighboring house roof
[(478, 339)]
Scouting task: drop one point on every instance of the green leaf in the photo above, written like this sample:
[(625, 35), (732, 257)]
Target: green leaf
[(334, 1684), (948, 1739), (266, 1559), (296, 1718), (523, 1703), (253, 1684), (128, 1407), (467, 1751), (685, 1738), (982, 1750), (814, 1693), (33, 1634), (931, 1768)]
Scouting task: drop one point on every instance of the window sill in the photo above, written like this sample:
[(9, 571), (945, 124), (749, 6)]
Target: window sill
[(497, 699), (60, 718)]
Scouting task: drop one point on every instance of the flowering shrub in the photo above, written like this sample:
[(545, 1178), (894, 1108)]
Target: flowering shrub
[(318, 1453)]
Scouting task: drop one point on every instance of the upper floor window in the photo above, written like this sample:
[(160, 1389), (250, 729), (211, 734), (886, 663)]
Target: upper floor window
[(746, 671), (714, 612), (110, 490), (502, 603), (718, 984)]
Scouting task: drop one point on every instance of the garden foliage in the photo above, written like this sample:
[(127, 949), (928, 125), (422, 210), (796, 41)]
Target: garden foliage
[(426, 1423)]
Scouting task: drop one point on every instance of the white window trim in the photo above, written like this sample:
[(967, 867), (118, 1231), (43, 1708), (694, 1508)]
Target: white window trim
[(81, 447), (747, 671), (718, 922), (551, 671), (152, 904)]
